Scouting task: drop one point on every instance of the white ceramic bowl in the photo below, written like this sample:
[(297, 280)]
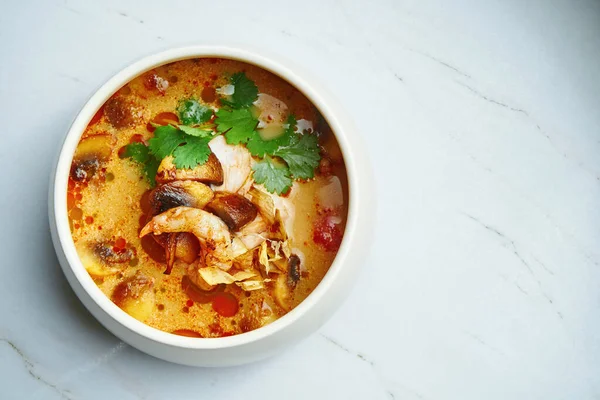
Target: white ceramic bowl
[(260, 343)]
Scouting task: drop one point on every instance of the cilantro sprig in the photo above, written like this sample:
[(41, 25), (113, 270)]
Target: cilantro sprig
[(140, 153), (273, 174), (302, 157), (238, 125), (245, 92), (191, 112), (259, 147), (290, 156)]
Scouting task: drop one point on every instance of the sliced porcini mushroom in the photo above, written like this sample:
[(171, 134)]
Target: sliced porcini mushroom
[(282, 292), (97, 147), (84, 170), (179, 193), (102, 259), (118, 112), (91, 152), (107, 253), (134, 296), (235, 210), (93, 265), (209, 172), (293, 270)]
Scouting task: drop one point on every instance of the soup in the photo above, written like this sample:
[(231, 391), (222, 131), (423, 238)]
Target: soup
[(207, 197)]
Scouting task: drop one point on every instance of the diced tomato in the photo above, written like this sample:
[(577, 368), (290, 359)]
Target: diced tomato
[(225, 304), (137, 138), (187, 332), (70, 200), (195, 293), (97, 117), (327, 234), (163, 118), (120, 243)]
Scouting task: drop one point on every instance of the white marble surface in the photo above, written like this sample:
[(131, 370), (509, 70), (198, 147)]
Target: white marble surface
[(483, 125)]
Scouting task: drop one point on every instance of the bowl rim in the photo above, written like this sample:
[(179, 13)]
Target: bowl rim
[(59, 181)]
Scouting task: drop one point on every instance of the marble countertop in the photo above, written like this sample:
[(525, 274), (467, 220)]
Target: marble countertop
[(483, 124)]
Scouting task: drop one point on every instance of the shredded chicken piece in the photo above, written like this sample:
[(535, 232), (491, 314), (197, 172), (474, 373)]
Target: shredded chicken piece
[(253, 233), (236, 162)]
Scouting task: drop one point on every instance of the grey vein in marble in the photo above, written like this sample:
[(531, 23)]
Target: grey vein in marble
[(30, 366), (489, 99), (516, 252)]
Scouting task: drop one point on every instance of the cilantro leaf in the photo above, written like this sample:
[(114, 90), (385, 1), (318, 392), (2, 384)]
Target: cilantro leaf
[(136, 151), (275, 176), (191, 112), (238, 125), (200, 131), (259, 147), (150, 169), (194, 152), (139, 152), (245, 91), (302, 157), (166, 139)]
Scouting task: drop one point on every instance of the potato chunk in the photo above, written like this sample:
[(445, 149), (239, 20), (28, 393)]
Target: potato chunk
[(209, 172), (235, 210)]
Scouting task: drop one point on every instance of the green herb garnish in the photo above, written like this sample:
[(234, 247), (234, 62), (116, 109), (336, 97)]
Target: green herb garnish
[(166, 139), (204, 130), (292, 155), (273, 174), (245, 92), (188, 151), (301, 157), (238, 125), (140, 153), (259, 147), (191, 112), (194, 152)]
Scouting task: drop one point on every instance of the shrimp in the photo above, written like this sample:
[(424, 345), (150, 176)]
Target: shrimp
[(210, 230)]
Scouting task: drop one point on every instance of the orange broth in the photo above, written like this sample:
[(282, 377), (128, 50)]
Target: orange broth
[(107, 202)]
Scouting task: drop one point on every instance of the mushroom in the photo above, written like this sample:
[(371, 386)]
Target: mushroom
[(107, 253), (179, 193), (118, 112), (91, 152), (209, 172), (235, 210), (133, 295), (293, 270)]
